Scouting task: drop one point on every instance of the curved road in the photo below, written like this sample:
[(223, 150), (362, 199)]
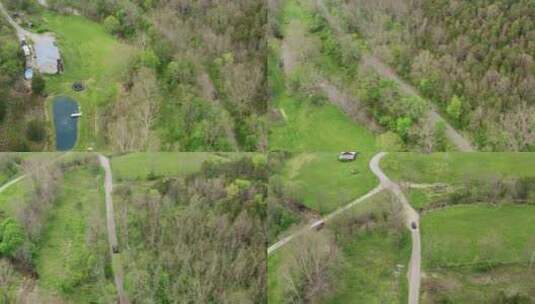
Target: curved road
[(410, 215), (112, 235)]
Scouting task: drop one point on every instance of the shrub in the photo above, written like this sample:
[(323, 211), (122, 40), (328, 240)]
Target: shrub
[(111, 24), (38, 84), (11, 236), (36, 130)]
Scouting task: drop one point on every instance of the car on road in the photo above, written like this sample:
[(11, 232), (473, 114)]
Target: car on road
[(414, 226)]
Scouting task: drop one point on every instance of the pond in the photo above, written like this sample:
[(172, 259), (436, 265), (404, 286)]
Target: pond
[(66, 126)]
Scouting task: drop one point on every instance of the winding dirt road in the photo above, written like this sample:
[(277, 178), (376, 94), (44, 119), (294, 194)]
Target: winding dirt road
[(322, 221), (112, 235), (410, 215)]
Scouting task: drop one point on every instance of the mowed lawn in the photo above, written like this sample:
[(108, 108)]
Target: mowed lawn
[(308, 127), (478, 234), (135, 166), (324, 184), (92, 56), (455, 167), (63, 254)]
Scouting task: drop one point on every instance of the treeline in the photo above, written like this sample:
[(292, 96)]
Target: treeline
[(200, 239), (474, 59), (492, 190), (283, 208), (20, 110)]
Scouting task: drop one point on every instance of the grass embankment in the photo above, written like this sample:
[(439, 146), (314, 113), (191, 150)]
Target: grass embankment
[(479, 254), (71, 258), (304, 126), (324, 184), (455, 167), (138, 166), (135, 166), (92, 56)]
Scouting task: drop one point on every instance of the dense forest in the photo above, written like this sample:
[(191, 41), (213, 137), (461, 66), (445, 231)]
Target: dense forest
[(200, 239), (475, 59)]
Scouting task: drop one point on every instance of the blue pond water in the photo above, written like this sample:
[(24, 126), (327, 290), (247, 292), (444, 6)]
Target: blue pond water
[(66, 126)]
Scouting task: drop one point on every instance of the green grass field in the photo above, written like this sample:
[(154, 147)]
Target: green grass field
[(63, 258), (12, 198), (455, 167), (304, 126), (478, 234), (135, 166), (92, 56), (325, 184)]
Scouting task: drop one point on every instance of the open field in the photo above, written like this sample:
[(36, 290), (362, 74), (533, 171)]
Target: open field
[(324, 184), (478, 254), (478, 234), (72, 256), (91, 56), (139, 165), (454, 167)]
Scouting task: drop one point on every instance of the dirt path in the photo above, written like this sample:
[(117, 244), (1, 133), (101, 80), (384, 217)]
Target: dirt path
[(112, 235), (344, 101), (11, 183), (382, 69), (45, 56), (385, 71), (411, 216), (322, 221), (21, 177)]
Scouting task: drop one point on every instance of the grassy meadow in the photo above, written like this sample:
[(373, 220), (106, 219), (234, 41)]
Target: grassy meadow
[(324, 184)]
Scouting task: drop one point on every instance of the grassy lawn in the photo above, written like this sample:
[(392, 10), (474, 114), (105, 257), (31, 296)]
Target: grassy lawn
[(324, 183), (64, 255), (455, 167), (135, 166), (304, 126), (275, 279), (478, 234), (12, 198), (317, 128), (369, 274), (94, 57)]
